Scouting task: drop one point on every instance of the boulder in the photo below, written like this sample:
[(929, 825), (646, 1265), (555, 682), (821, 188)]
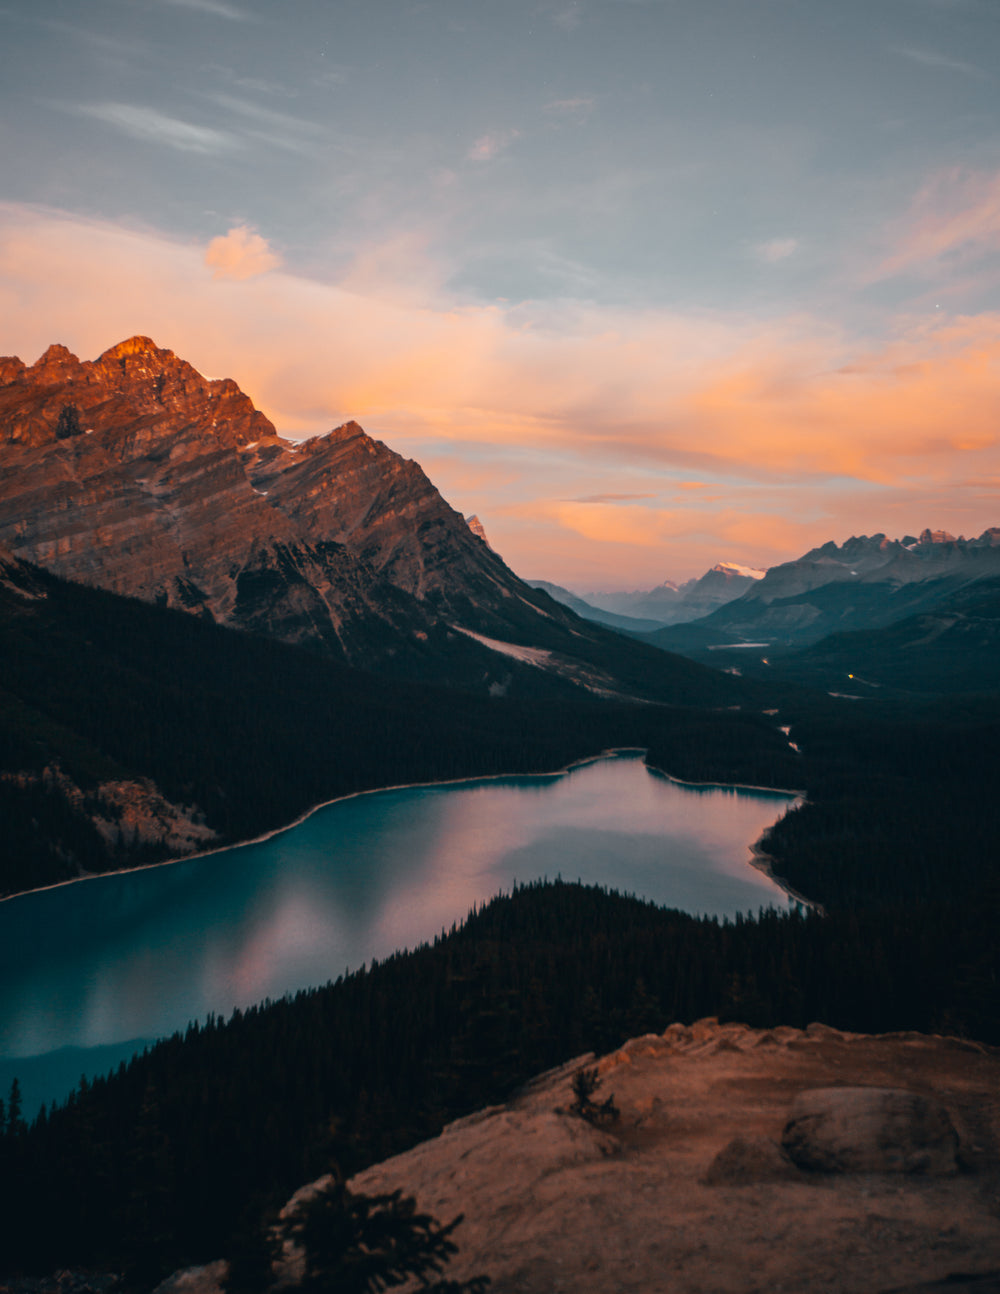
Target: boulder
[(196, 1280), (745, 1161), (870, 1130)]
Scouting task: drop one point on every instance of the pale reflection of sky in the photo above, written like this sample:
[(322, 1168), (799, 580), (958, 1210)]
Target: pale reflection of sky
[(139, 955)]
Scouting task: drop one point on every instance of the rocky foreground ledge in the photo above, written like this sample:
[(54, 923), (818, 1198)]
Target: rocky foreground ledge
[(894, 1187), (743, 1161)]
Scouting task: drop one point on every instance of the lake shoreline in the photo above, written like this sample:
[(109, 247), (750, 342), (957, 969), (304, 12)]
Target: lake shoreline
[(365, 881), (609, 753)]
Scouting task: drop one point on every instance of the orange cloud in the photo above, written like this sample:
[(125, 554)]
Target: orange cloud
[(240, 254)]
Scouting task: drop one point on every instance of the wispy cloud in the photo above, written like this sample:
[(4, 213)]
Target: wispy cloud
[(282, 129), (611, 498), (776, 249), (216, 8), (489, 146), (932, 58), (955, 217), (578, 108), (117, 49), (150, 126), (240, 254), (254, 84), (569, 16)]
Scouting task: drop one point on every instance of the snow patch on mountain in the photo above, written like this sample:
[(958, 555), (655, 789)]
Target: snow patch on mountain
[(748, 572), (538, 656)]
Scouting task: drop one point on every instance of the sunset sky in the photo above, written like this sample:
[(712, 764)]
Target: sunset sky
[(646, 284)]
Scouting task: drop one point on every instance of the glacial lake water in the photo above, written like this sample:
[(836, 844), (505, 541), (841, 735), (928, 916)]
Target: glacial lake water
[(89, 969)]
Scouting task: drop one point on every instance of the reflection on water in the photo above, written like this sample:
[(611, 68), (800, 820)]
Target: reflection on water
[(142, 953)]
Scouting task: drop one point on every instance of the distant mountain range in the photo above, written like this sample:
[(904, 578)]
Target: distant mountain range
[(918, 613), (671, 603), (866, 582)]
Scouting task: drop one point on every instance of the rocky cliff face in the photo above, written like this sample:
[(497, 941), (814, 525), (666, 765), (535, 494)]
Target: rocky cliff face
[(135, 473)]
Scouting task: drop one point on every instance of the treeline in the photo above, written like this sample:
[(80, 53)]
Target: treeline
[(254, 732), (171, 1160)]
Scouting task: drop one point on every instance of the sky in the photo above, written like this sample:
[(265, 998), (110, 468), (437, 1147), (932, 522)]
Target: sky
[(644, 284)]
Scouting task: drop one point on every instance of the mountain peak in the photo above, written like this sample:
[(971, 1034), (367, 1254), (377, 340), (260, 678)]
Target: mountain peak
[(346, 431), (935, 537), (734, 568), (137, 345), (477, 528), (57, 357), (11, 369), (135, 473)]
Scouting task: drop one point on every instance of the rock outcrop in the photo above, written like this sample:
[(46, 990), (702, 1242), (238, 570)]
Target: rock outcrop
[(127, 814), (136, 474), (870, 1130), (690, 1191)]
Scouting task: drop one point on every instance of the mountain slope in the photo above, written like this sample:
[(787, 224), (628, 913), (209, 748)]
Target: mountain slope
[(586, 611), (953, 648), (135, 474)]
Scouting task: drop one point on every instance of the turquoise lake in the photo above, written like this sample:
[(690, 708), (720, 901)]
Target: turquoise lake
[(88, 970)]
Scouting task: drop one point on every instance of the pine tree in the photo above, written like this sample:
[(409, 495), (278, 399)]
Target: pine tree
[(364, 1244), (15, 1124)]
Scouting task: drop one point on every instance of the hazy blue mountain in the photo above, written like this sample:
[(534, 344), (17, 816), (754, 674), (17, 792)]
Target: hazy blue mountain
[(588, 612), (671, 603)]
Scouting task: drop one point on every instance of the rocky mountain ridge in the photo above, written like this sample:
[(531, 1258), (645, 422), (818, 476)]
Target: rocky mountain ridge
[(875, 558), (134, 473)]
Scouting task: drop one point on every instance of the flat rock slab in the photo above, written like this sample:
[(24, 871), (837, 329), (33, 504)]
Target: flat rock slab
[(870, 1130), (552, 1205)]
